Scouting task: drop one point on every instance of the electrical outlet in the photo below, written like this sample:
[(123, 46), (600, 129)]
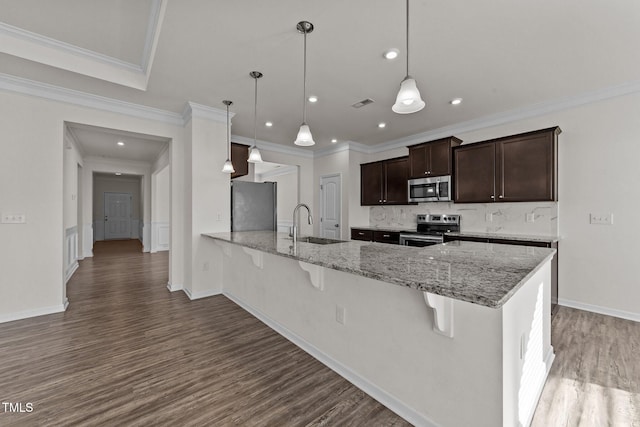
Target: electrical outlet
[(14, 218), (488, 217), (530, 217), (601, 218), (219, 216), (205, 266), (341, 315)]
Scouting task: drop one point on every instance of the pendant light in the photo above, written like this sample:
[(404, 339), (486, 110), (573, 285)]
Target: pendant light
[(228, 166), (304, 137), (254, 153), (408, 99)]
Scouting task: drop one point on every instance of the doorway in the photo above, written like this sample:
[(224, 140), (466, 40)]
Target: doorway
[(330, 206), (117, 215)]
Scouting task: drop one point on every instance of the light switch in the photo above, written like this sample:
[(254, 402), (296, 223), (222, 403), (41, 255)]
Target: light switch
[(19, 218), (601, 218)]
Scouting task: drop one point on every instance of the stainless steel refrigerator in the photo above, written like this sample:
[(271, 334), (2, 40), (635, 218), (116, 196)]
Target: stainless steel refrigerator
[(253, 206)]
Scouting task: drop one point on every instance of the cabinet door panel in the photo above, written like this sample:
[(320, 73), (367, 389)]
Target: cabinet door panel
[(371, 184), (239, 157), (526, 169), (474, 173), (418, 165), (440, 158), (397, 175)]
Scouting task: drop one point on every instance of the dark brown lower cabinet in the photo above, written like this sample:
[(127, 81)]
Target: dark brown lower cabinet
[(381, 236)]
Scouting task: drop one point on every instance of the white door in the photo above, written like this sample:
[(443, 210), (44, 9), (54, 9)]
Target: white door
[(330, 201), (117, 216)]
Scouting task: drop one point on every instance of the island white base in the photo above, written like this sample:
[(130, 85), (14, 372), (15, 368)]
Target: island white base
[(489, 373)]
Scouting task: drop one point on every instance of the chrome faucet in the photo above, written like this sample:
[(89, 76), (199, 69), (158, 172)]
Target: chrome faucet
[(295, 216)]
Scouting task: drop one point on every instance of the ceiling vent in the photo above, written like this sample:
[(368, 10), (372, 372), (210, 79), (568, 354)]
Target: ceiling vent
[(363, 103)]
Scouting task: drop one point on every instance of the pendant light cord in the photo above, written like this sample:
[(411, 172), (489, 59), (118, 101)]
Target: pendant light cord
[(407, 37), (304, 81), (228, 136), (255, 112)]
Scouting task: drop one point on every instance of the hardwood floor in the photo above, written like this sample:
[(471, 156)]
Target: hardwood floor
[(129, 352), (595, 378)]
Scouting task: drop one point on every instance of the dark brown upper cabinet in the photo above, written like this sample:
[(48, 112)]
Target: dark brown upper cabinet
[(239, 157), (518, 168), (432, 158), (384, 182)]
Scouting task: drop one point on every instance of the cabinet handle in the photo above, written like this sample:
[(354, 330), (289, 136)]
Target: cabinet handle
[(386, 235), (380, 201), (385, 200), (493, 197), (501, 196), (360, 233)]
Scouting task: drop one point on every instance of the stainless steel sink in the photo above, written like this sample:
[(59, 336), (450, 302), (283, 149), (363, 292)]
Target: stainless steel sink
[(318, 240)]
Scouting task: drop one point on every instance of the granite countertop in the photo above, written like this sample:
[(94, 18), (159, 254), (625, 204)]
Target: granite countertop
[(481, 273), (523, 237)]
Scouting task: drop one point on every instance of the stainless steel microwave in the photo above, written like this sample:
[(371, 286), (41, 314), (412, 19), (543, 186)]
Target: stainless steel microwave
[(433, 189)]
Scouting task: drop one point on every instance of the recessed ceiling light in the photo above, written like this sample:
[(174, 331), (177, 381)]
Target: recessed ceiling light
[(268, 124), (391, 54), (382, 125), (313, 98), (118, 173), (333, 141), (120, 143), (456, 101)]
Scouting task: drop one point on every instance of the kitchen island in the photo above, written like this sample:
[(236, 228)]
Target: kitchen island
[(451, 334)]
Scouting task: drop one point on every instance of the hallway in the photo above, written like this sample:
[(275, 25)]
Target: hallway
[(128, 352)]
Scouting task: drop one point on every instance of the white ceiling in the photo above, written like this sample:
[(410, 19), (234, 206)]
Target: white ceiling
[(101, 142), (498, 55)]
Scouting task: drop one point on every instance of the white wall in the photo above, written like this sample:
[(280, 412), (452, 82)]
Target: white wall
[(71, 208), (286, 179), (31, 182), (336, 163)]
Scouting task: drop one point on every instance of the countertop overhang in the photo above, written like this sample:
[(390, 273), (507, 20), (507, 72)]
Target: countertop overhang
[(480, 273)]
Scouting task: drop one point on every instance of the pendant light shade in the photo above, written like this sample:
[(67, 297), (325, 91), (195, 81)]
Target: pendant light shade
[(228, 166), (304, 138), (408, 99), (254, 153)]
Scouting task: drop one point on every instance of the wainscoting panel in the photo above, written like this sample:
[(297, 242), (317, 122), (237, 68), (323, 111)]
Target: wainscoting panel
[(88, 237), (70, 252), (160, 234)]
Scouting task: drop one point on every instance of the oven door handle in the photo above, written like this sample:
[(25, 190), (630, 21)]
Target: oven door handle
[(438, 189)]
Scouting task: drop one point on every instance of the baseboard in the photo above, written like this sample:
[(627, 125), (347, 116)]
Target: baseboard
[(174, 288), (65, 304), (198, 295), (395, 405), (600, 310), (70, 272), (34, 313)]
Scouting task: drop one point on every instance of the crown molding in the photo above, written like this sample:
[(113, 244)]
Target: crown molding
[(278, 172), (56, 93), (156, 17), (276, 148), (523, 113), (344, 146), (45, 50), (199, 111)]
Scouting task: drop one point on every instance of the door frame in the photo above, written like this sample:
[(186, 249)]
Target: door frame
[(321, 203), (105, 211)]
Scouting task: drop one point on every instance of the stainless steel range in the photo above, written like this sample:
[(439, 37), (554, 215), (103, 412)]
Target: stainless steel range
[(430, 230)]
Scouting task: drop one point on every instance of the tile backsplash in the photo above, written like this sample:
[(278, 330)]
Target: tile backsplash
[(507, 218)]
